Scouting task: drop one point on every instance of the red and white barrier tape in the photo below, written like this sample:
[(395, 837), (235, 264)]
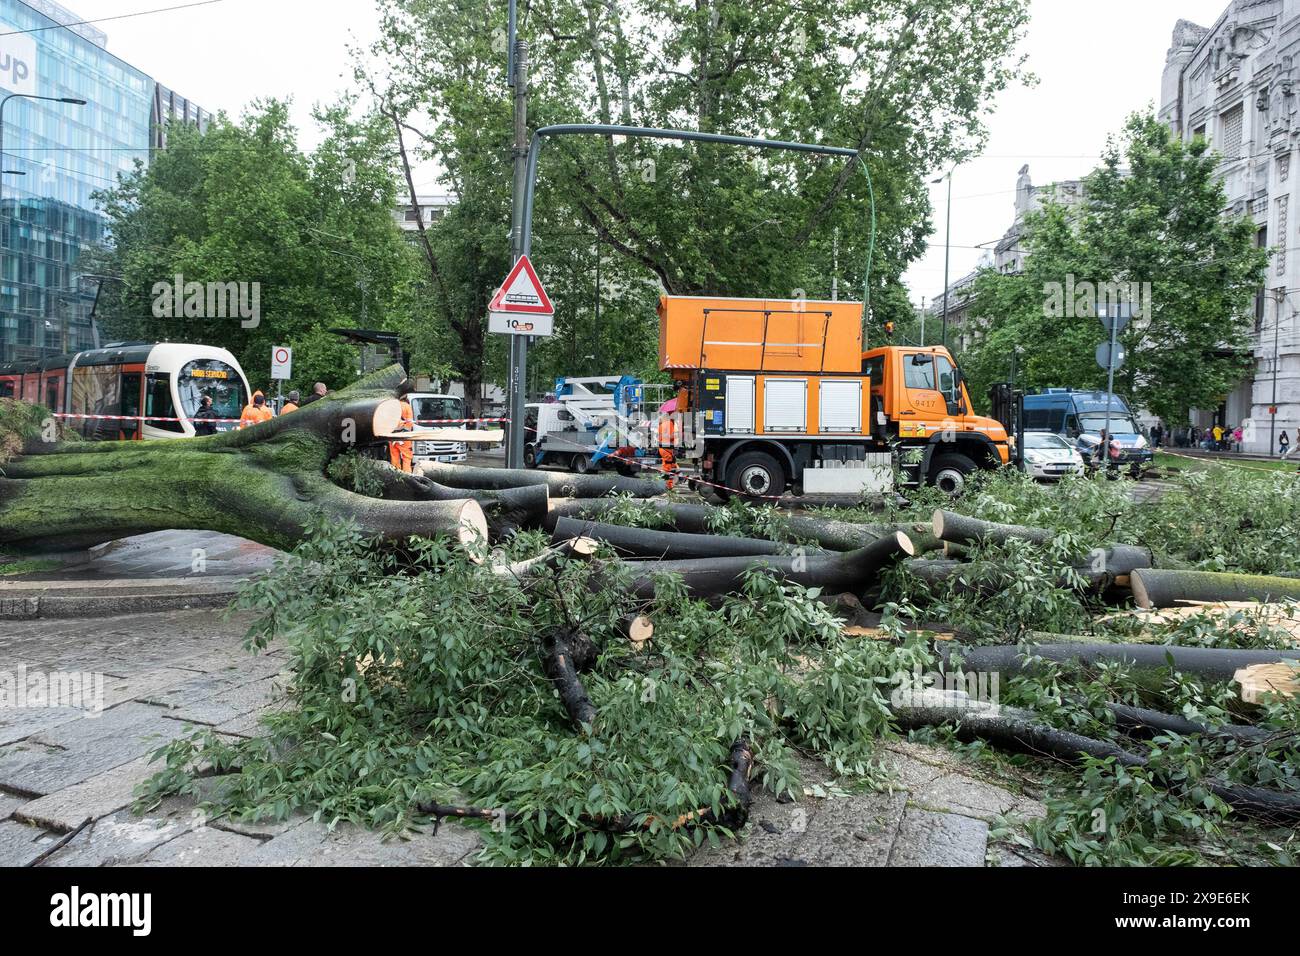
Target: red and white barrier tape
[(163, 418)]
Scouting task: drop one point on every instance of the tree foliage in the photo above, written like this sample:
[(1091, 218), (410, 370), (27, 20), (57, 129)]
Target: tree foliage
[(908, 83), (242, 203), (1152, 213)]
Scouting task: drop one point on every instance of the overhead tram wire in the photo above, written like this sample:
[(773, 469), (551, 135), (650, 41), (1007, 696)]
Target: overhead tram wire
[(120, 16)]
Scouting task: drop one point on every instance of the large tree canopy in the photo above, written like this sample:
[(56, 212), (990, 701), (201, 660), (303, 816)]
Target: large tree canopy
[(242, 203), (907, 82), (1152, 215)]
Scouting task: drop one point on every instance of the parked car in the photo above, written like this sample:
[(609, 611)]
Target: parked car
[(1049, 457)]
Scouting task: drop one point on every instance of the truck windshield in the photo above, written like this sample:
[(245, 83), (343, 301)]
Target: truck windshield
[(437, 408), (1120, 424)]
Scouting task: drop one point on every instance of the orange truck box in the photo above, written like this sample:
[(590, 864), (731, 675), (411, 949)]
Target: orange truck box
[(759, 335)]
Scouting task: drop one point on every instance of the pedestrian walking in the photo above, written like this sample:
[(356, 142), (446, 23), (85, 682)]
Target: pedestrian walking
[(205, 418), (1283, 445)]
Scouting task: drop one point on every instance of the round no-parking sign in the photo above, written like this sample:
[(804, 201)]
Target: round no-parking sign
[(281, 362)]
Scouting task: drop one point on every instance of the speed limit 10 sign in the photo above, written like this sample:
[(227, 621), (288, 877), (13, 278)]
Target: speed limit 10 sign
[(281, 362)]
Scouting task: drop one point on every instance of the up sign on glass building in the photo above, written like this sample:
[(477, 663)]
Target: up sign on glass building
[(55, 156)]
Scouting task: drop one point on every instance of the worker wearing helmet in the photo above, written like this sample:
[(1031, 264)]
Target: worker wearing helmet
[(667, 434), (402, 453), (256, 411)]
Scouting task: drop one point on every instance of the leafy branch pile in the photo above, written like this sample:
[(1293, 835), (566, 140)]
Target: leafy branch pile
[(426, 682), (514, 693)]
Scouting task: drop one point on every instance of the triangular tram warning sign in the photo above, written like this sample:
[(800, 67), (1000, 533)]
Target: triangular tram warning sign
[(522, 292)]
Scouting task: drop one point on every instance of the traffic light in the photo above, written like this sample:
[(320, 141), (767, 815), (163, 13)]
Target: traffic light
[(889, 329)]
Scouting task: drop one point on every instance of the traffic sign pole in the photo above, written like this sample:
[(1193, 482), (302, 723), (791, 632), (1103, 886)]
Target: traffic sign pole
[(518, 343)]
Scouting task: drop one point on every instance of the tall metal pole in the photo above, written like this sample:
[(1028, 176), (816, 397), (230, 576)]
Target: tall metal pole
[(518, 343), (1110, 384), (947, 253), (1277, 360)]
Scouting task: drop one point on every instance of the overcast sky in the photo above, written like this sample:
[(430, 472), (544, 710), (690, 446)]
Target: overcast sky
[(1096, 61)]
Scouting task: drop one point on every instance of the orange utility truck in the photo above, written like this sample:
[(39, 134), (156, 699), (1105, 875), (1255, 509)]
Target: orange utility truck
[(780, 393)]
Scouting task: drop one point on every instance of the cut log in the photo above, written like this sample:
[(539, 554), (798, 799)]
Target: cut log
[(830, 571), (961, 529), (573, 547), (640, 542), (637, 629), (560, 484), (703, 519), (1141, 719), (1209, 662), (506, 510), (1260, 680), (974, 579), (1165, 588)]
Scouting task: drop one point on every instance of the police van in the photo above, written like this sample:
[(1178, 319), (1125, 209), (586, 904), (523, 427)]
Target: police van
[(1079, 417)]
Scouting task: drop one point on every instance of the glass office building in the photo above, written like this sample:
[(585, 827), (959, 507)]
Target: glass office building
[(55, 156)]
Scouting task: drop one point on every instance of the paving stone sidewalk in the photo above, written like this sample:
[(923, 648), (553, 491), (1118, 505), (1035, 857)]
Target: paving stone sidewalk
[(166, 673)]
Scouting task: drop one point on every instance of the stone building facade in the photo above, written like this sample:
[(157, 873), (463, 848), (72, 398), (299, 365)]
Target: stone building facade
[(1237, 84)]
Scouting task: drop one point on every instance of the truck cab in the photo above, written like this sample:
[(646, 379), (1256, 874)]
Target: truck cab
[(431, 409), (922, 408)]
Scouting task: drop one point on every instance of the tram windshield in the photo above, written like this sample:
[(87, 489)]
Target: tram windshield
[(215, 378)]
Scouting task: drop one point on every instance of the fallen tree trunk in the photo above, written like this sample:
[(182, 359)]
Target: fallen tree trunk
[(961, 529), (705, 519), (506, 510), (830, 571), (1018, 730), (1140, 718), (977, 579), (1210, 662), (266, 483), (560, 484), (1165, 588), (641, 542)]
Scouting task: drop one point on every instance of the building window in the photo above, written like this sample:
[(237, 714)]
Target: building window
[(411, 214), (1230, 141)]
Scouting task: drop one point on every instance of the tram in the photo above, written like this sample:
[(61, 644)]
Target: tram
[(142, 390)]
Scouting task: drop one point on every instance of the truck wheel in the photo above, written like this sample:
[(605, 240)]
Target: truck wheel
[(756, 474), (530, 456), (581, 464), (948, 473)]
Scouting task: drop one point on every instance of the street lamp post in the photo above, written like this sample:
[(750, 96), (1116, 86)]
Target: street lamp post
[(947, 253)]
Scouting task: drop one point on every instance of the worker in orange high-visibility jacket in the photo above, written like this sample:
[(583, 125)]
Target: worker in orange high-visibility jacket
[(668, 440), (402, 453), (255, 411)]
